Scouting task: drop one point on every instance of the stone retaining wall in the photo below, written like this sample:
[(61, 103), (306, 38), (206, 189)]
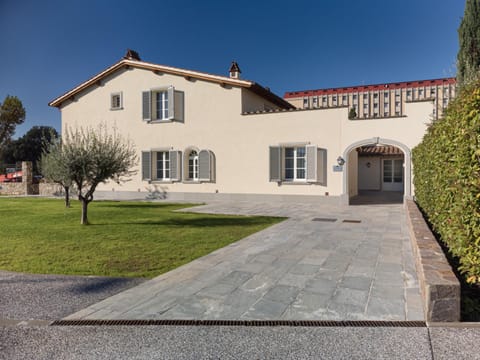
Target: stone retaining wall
[(439, 286), (14, 188), (50, 189)]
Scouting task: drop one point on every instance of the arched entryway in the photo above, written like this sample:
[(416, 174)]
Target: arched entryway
[(376, 169)]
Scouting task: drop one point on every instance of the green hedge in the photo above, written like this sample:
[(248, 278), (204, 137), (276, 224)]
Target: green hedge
[(447, 179)]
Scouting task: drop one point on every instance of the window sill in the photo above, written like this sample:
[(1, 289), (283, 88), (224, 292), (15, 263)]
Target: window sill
[(191, 182), (286, 182), (160, 121), (116, 109), (161, 182)]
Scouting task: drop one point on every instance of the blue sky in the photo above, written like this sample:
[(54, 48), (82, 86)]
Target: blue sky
[(50, 46)]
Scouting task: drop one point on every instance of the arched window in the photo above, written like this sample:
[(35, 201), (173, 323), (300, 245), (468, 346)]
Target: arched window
[(193, 165)]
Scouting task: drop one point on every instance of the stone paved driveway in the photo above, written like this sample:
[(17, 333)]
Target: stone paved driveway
[(325, 262)]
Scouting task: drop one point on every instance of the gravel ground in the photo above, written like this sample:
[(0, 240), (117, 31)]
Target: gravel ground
[(179, 342), (50, 297)]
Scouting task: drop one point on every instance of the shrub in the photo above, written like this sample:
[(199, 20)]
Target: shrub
[(447, 179)]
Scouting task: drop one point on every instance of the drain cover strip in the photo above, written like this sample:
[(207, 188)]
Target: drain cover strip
[(352, 221), (311, 323), (324, 219)]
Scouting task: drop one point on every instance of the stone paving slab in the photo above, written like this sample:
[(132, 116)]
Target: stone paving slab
[(297, 269)]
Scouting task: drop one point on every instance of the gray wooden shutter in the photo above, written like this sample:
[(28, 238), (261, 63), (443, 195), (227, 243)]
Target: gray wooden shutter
[(147, 105), (175, 165), (322, 167), (146, 165), (171, 102), (311, 152), (179, 105), (204, 165), (275, 163)]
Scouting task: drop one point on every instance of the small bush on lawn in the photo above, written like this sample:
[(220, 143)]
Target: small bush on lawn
[(447, 179)]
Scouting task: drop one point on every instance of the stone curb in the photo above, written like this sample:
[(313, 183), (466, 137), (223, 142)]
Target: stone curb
[(439, 286)]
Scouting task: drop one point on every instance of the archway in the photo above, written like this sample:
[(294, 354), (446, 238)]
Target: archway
[(350, 172)]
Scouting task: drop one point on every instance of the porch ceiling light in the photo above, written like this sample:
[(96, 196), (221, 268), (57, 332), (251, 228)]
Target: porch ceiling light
[(340, 161)]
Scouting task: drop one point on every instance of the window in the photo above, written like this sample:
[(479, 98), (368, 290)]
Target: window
[(161, 105), (375, 96), (409, 94), (164, 104), (295, 163), (432, 91), (420, 92), (166, 165), (344, 100), (365, 106), (305, 103), (193, 166), (116, 101), (315, 101), (375, 106), (324, 100), (163, 165), (301, 164), (392, 170), (199, 165), (385, 94), (397, 93), (354, 98), (365, 96)]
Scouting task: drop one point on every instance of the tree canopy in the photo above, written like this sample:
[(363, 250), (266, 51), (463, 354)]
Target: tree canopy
[(90, 157), (468, 57), (12, 113), (29, 147)]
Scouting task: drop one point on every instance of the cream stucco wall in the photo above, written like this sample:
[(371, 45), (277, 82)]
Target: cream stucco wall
[(213, 121)]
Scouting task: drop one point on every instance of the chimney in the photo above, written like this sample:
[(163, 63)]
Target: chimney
[(234, 70), (132, 55)]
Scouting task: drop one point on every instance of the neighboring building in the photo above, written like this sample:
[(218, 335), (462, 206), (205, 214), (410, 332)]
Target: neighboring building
[(201, 136), (381, 100)]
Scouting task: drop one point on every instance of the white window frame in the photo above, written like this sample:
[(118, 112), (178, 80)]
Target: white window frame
[(160, 105), (113, 105), (165, 161), (306, 103), (192, 164), (297, 159)]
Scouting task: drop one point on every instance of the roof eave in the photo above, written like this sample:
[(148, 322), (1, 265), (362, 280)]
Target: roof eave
[(153, 67)]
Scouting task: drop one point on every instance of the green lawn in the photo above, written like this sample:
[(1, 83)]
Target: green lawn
[(134, 239)]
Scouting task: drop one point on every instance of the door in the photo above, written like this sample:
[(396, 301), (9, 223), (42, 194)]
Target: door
[(369, 173), (392, 175)]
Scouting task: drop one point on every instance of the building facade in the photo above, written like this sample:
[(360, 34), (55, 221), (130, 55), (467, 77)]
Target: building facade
[(200, 136), (381, 100)]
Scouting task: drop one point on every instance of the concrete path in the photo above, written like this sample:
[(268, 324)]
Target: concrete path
[(324, 262)]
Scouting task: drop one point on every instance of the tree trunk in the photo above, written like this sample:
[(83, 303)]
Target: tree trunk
[(84, 219), (67, 196)]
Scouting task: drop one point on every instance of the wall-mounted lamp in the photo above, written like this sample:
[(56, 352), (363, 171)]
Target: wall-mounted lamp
[(340, 161)]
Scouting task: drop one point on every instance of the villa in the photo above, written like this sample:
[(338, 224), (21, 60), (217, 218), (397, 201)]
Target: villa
[(201, 136)]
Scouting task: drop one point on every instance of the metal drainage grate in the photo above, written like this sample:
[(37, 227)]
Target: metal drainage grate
[(352, 221), (311, 323), (324, 219)]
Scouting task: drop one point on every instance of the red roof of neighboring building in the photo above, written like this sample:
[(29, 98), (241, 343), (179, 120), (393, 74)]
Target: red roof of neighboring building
[(362, 88)]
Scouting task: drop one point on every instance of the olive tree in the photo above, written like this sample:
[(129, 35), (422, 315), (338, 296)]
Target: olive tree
[(91, 157), (53, 167)]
